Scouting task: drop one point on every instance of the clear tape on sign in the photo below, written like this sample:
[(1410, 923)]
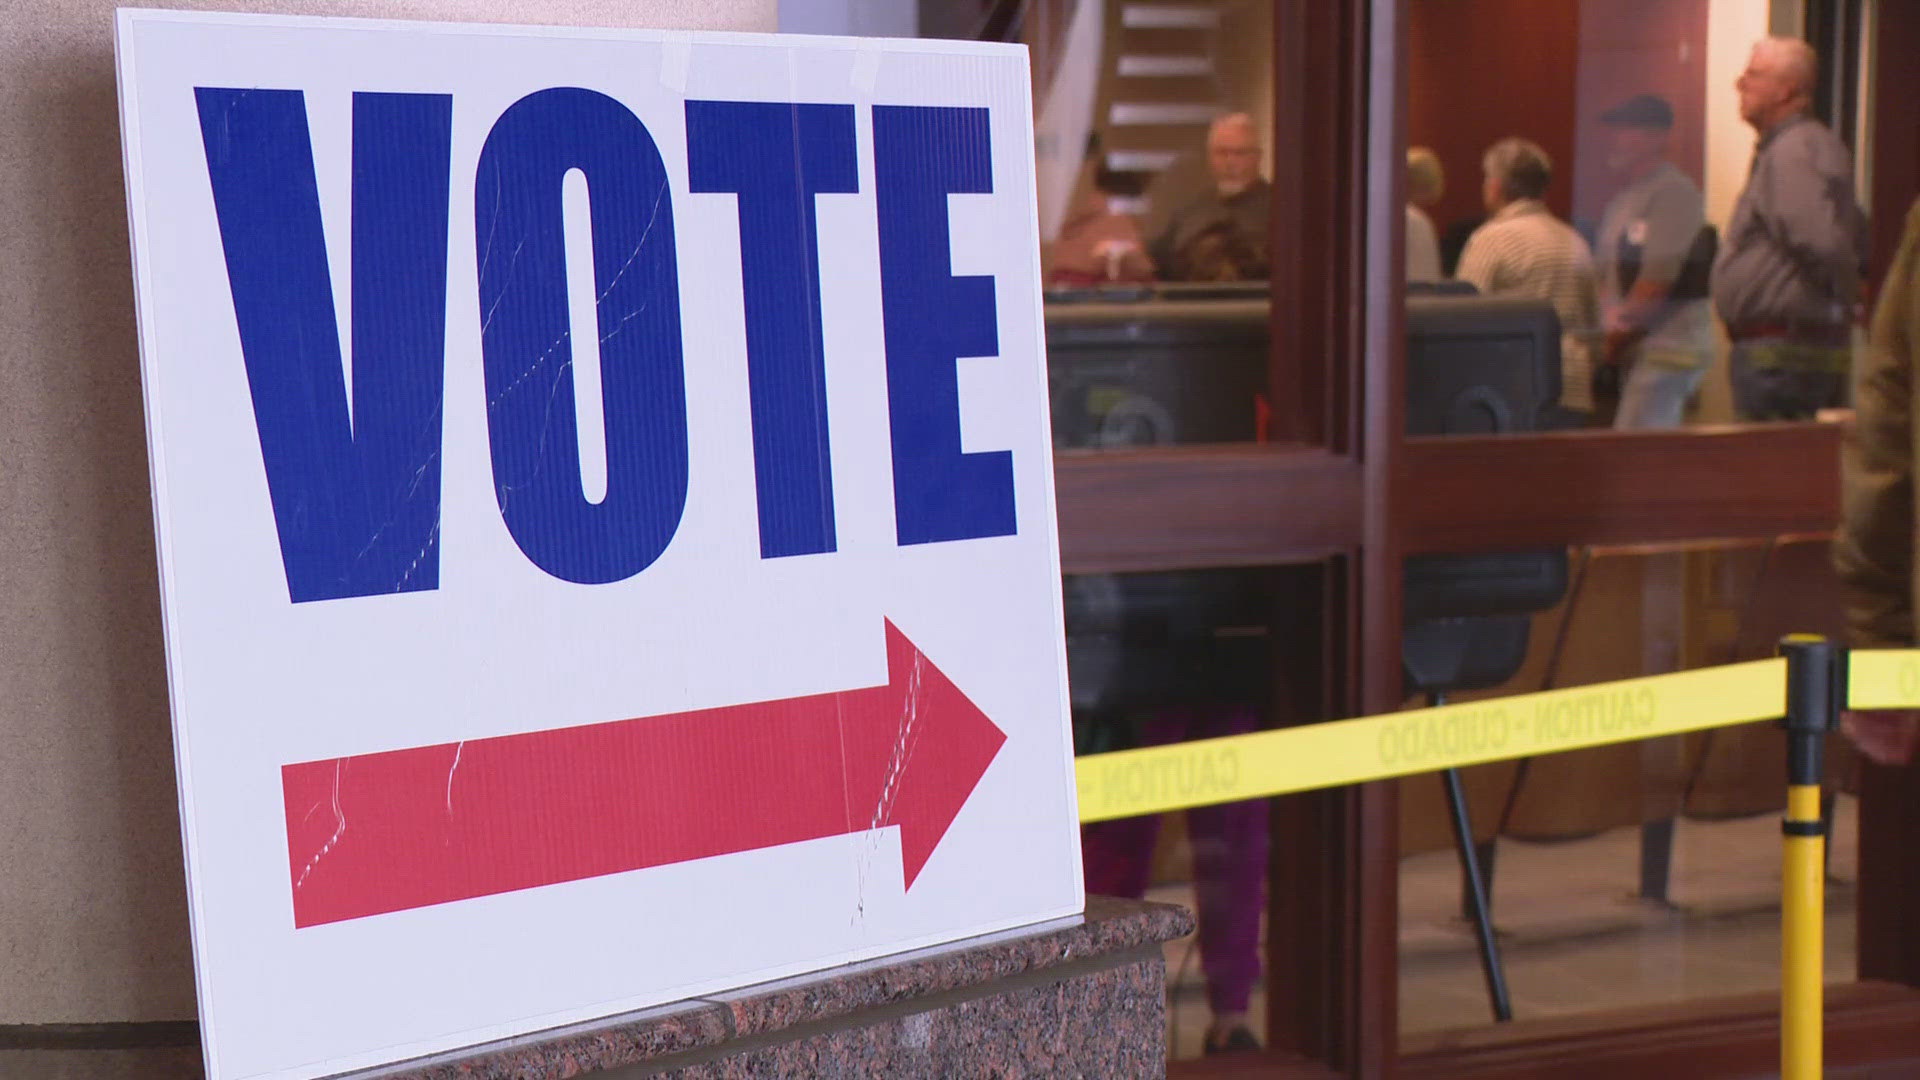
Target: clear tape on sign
[(1153, 780), (676, 56), (866, 67), (1883, 679)]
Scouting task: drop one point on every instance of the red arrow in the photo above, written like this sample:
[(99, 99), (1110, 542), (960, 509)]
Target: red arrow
[(408, 828)]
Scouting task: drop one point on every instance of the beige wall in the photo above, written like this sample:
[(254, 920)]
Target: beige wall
[(1732, 28), (93, 923)]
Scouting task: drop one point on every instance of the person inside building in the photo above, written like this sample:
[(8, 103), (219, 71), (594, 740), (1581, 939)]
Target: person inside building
[(1150, 668), (1426, 182), (1655, 252), (1787, 277), (1221, 234), (1524, 250), (1099, 243)]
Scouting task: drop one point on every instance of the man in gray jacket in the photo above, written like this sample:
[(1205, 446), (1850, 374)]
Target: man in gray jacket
[(1788, 274)]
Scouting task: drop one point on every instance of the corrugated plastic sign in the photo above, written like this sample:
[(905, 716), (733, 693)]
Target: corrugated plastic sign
[(604, 503)]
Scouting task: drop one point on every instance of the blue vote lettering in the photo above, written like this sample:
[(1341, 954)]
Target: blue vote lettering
[(776, 157), (930, 319), (524, 335), (355, 493), (355, 484)]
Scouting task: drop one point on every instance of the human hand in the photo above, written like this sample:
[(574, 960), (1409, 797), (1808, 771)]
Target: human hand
[(1113, 253), (1618, 341), (1886, 738)]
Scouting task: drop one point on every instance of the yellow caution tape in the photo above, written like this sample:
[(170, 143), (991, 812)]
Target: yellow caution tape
[(1156, 779), (1883, 679)]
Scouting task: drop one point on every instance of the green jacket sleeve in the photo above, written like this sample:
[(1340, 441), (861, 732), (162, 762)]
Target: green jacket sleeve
[(1874, 549)]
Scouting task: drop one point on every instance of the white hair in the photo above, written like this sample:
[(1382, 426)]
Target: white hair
[(1793, 60), (1523, 169)]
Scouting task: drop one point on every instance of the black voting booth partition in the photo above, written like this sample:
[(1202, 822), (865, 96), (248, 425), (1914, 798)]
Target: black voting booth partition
[(1168, 365), (1160, 366), (1157, 370), (1478, 365)]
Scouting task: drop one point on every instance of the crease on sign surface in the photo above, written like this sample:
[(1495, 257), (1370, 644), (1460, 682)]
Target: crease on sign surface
[(413, 489), (451, 769), (653, 216), (905, 738), (339, 829), (565, 334), (426, 548)]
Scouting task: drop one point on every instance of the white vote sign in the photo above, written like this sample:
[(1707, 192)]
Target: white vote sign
[(605, 515)]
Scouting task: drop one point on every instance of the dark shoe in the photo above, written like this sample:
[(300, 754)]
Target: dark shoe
[(1238, 1041)]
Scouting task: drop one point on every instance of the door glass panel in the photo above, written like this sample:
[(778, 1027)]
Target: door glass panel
[(1640, 873), (1581, 163), (1158, 658), (1152, 127)]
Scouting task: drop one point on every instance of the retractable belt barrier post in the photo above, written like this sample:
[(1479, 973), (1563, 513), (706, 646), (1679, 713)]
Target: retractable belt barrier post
[(1805, 688), (1816, 679)]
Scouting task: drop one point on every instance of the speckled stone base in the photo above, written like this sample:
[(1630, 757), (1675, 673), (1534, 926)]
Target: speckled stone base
[(1079, 999)]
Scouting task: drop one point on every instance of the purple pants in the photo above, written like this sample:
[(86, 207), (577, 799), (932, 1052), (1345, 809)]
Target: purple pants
[(1229, 861)]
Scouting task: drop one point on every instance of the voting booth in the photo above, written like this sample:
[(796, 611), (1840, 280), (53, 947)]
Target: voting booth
[(603, 492)]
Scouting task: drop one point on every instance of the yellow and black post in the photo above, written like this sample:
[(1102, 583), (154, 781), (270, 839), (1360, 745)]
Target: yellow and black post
[(1815, 682)]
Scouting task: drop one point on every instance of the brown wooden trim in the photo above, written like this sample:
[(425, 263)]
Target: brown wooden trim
[(1203, 506), (1870, 1026), (1308, 900), (1894, 152), (1269, 1066), (1371, 1045), (1328, 999), (1491, 492), (1888, 945), (1307, 202)]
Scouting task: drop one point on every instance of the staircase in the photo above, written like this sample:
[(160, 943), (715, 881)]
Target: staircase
[(1165, 69), (1170, 67)]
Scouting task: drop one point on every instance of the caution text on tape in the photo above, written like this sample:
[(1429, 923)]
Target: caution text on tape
[(1152, 780)]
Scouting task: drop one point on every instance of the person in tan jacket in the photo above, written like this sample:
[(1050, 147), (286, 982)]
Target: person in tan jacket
[(1875, 549)]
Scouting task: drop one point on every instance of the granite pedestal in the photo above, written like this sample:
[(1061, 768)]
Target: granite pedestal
[(1078, 998)]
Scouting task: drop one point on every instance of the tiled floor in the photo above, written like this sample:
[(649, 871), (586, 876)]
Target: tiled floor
[(1574, 936)]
